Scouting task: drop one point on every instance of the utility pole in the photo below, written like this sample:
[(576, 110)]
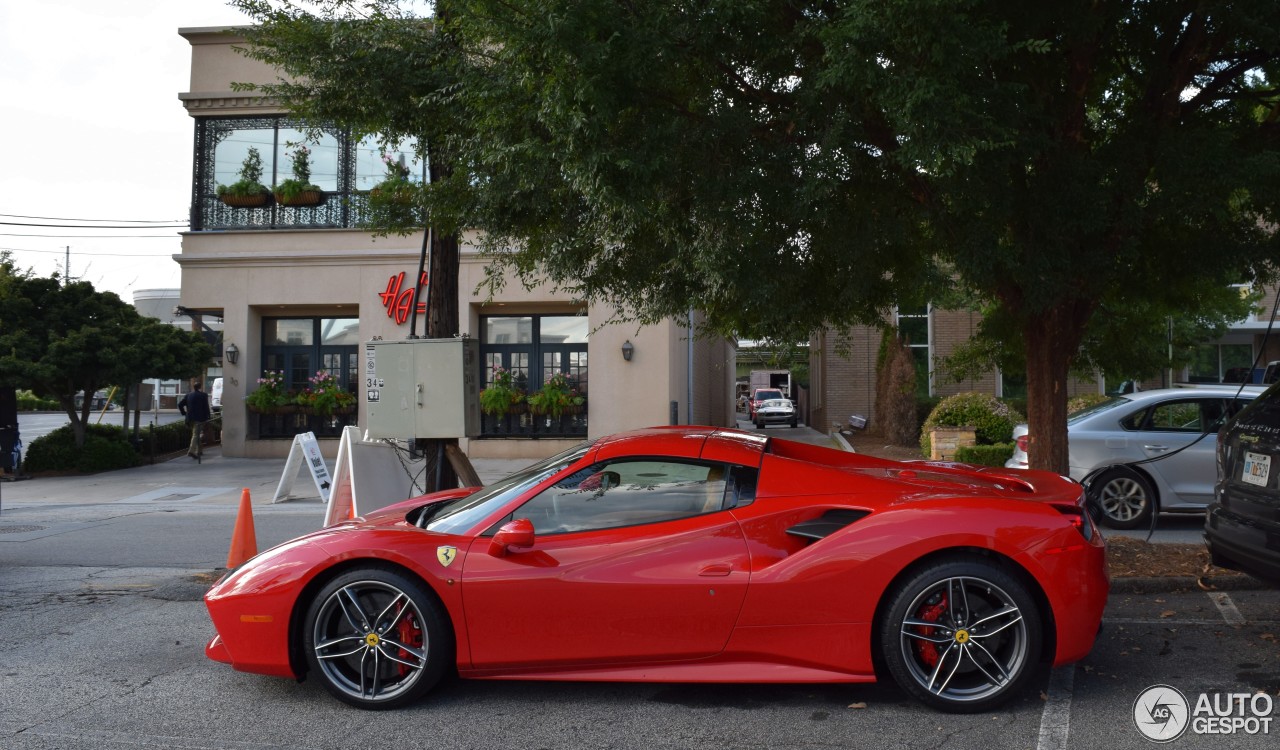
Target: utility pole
[(66, 269)]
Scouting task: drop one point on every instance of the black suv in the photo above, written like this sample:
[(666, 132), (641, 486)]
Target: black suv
[(1242, 526)]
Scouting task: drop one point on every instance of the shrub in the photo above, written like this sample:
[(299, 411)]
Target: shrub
[(105, 448), (993, 420), (1084, 401), (895, 415), (985, 455), (28, 401)]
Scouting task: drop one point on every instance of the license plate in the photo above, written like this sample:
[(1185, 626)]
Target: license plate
[(1257, 468)]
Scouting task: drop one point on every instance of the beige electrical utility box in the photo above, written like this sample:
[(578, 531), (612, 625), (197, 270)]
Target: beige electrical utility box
[(422, 388)]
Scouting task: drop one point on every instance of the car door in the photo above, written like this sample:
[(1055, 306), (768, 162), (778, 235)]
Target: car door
[(1179, 424), (632, 560)]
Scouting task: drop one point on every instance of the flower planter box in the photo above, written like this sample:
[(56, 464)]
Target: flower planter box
[(303, 199), (245, 201)]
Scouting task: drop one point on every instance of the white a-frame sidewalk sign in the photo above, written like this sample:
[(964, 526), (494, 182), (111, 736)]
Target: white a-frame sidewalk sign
[(384, 475), (305, 450)]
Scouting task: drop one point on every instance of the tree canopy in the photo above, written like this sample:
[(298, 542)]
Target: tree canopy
[(59, 339), (783, 165)]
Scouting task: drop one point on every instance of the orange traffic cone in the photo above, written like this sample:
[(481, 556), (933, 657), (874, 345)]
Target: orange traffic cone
[(244, 543)]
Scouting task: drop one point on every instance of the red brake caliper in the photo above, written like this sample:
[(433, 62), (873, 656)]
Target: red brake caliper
[(930, 613), (410, 633)]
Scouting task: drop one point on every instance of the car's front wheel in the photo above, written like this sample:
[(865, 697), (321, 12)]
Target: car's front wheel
[(1123, 497), (961, 635), (377, 639)]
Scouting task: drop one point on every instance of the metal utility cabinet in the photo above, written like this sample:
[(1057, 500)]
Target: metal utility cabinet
[(422, 388)]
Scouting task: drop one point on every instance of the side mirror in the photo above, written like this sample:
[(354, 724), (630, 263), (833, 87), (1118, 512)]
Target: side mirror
[(514, 536)]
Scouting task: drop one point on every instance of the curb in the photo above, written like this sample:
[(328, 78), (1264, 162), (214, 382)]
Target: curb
[(1152, 585)]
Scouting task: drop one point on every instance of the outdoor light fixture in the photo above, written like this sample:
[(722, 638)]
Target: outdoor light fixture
[(627, 350), (232, 353)]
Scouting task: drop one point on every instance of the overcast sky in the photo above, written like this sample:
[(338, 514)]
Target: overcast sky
[(91, 128)]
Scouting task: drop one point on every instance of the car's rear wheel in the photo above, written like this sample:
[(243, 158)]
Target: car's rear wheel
[(961, 636), (1123, 497), (377, 639)]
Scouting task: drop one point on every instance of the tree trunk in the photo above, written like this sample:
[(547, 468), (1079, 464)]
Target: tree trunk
[(1052, 339)]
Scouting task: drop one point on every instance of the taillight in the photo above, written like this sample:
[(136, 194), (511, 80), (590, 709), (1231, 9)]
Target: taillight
[(1023, 441), (1079, 519)]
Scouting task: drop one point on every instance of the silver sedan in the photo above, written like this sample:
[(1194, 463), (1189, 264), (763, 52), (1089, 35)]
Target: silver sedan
[(1147, 450)]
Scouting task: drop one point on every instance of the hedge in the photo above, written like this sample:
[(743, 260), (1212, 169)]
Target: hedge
[(993, 420), (106, 447), (985, 455)]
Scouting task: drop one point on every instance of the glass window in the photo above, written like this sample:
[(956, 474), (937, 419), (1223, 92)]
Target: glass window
[(339, 331), (508, 330), (627, 492), (1175, 416), (913, 327), (288, 332), (556, 329), (324, 156), (230, 152), (371, 169)]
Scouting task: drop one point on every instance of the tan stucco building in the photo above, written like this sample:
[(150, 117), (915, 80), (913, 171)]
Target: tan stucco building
[(299, 288)]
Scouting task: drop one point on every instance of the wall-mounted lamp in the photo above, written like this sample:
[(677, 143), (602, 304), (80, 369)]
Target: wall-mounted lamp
[(233, 354), (627, 350)]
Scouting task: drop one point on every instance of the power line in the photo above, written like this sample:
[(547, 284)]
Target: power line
[(81, 252), (91, 226), (64, 218), (95, 236)]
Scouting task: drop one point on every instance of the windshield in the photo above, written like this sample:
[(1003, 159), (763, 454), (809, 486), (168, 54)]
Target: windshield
[(459, 515), (765, 395)]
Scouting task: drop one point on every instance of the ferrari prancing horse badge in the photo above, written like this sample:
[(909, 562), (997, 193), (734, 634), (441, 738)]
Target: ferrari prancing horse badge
[(446, 555)]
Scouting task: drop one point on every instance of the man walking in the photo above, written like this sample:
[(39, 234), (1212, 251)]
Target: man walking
[(195, 407)]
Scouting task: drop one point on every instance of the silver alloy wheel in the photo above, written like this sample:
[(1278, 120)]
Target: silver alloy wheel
[(964, 639), (1123, 499), (370, 641)]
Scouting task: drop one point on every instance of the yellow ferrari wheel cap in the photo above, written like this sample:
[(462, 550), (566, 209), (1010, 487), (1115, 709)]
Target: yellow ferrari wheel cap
[(962, 636), (372, 640)]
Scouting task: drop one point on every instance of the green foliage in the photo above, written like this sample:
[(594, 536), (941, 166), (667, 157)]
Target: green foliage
[(782, 166), (28, 401), (502, 395), (1084, 401), (555, 398), (985, 455), (250, 182), (269, 394), (993, 420), (325, 395), (896, 390), (105, 448), (289, 189), (58, 339)]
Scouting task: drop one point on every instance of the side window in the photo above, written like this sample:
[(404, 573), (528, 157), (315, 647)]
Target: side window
[(628, 492), (1177, 416)]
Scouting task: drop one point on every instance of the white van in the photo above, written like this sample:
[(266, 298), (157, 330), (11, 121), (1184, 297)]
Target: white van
[(215, 395)]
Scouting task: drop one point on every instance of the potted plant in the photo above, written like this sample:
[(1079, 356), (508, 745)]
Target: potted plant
[(298, 190), (248, 191), (395, 186), (326, 396), (502, 397), (557, 397), (269, 397)]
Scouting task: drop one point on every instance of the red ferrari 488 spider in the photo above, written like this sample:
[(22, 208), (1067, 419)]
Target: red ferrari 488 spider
[(686, 555)]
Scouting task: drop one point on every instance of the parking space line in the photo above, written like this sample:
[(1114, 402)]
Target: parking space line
[(1055, 722), (1227, 607)]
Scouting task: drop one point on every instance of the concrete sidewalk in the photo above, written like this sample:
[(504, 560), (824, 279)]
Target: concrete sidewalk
[(219, 480)]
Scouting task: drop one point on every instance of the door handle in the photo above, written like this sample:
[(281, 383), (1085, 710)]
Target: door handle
[(1156, 448), (717, 569)]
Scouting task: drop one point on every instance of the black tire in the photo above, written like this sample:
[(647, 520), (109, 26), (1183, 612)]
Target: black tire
[(377, 639), (759, 425), (984, 647), (1123, 498), (795, 423)]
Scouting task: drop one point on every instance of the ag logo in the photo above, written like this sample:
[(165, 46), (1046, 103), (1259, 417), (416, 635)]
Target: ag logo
[(1161, 713), (446, 555)]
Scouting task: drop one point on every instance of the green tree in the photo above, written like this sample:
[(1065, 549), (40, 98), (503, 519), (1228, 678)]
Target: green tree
[(782, 165), (58, 340)]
